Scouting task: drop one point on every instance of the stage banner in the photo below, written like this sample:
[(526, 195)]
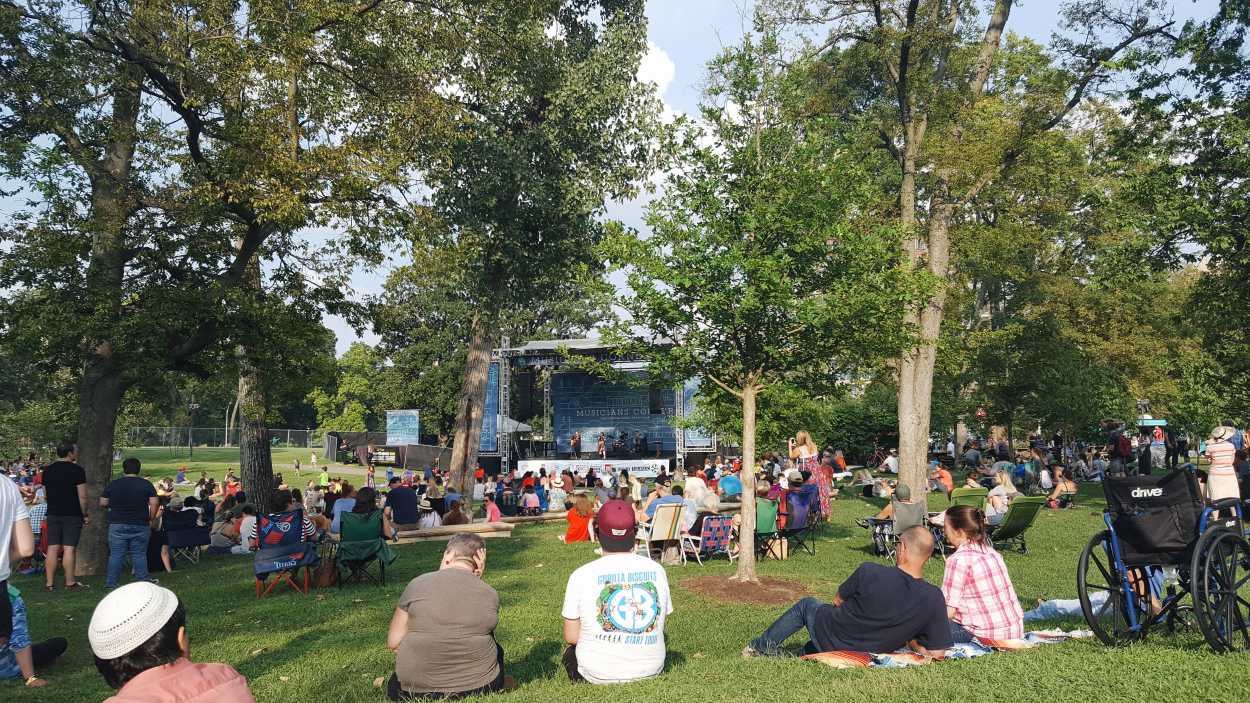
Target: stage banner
[(642, 468), (696, 439), (585, 403), (489, 441), (403, 427)]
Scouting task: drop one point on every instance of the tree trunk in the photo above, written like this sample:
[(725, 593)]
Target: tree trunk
[(103, 382), (255, 459), (255, 451), (746, 532), (915, 383), (99, 401), (469, 411)]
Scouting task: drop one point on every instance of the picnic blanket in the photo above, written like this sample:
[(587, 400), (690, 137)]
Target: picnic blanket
[(977, 648)]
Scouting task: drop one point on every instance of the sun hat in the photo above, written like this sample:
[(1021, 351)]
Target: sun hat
[(616, 524), (128, 617), (557, 482), (425, 504), (1222, 433)]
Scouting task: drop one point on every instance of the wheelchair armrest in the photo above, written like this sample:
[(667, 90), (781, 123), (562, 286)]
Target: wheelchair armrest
[(1223, 503)]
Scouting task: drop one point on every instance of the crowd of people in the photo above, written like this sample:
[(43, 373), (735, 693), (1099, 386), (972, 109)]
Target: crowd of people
[(615, 607)]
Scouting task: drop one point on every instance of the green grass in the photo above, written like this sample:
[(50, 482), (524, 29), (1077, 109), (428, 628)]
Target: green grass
[(331, 646), (159, 462)]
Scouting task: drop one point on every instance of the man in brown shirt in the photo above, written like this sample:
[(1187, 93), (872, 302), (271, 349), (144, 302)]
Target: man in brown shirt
[(443, 629)]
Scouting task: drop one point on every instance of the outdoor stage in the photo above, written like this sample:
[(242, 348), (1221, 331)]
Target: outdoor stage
[(538, 384), (642, 468)]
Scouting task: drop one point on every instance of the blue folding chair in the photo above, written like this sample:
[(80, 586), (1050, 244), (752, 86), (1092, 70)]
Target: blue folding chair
[(282, 552)]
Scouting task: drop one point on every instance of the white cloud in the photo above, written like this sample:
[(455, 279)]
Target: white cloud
[(656, 67)]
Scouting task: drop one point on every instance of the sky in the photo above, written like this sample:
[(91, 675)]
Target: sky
[(683, 35)]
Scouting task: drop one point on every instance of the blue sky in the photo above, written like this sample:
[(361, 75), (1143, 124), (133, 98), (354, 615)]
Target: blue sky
[(684, 35)]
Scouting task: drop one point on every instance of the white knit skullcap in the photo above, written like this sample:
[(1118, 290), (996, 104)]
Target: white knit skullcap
[(128, 617)]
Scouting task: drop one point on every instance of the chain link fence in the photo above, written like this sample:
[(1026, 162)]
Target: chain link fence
[(215, 437)]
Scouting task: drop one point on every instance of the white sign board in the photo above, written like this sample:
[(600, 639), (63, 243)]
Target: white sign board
[(642, 468)]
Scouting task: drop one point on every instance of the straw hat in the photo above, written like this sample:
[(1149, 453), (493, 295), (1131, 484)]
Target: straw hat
[(1222, 433)]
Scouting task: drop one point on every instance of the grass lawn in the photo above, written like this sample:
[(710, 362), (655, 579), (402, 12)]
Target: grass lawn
[(330, 646)]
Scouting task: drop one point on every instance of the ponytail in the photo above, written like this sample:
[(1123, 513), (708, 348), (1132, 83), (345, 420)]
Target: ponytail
[(968, 520)]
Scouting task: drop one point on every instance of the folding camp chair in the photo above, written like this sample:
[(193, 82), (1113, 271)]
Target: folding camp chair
[(766, 535), (361, 546), (184, 536), (714, 539), (800, 503), (282, 552), (1020, 515), (665, 526), (971, 497)]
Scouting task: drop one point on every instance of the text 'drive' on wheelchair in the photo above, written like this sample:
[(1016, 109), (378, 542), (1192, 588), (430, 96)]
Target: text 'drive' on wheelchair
[(1164, 543)]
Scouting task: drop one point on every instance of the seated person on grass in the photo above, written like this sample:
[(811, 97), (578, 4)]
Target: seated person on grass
[(709, 506), (443, 629), (579, 518), (456, 515), (878, 609), (615, 607), (402, 501), (19, 657), (138, 634), (902, 510), (980, 599), (1000, 497)]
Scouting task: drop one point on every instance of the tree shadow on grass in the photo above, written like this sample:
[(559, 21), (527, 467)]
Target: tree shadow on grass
[(541, 662)]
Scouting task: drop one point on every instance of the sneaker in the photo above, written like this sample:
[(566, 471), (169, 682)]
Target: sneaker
[(862, 523), (749, 652)]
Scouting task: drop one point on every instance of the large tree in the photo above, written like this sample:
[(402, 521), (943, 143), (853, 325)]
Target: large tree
[(560, 125), (933, 90), (167, 151), (760, 263)]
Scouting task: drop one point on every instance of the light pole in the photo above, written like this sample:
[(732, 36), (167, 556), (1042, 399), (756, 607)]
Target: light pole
[(191, 408)]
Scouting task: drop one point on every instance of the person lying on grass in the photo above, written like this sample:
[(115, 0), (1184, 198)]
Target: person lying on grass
[(878, 609), (138, 634), (443, 629)]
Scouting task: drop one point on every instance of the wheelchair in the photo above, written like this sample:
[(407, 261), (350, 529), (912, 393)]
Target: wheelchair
[(1163, 544)]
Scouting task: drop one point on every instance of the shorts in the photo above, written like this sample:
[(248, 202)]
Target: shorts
[(64, 530)]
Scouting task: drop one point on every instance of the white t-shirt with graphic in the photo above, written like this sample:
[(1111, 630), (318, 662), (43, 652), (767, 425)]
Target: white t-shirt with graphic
[(622, 601)]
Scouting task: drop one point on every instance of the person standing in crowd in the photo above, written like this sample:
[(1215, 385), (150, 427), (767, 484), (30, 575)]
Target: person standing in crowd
[(980, 600), (132, 504), (1221, 475), (443, 630), (66, 485), (803, 452), (878, 609), (138, 634), (615, 608)]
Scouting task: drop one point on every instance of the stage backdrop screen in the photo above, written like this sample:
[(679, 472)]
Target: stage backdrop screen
[(403, 427), (696, 439), (588, 404), (489, 441)]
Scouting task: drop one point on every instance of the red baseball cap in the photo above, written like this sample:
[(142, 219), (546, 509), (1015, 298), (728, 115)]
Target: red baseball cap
[(616, 525)]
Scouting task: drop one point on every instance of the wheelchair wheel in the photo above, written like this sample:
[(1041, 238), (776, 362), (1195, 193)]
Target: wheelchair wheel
[(1102, 599), (1221, 589)]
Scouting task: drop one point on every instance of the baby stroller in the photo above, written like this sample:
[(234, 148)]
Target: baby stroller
[(1164, 542)]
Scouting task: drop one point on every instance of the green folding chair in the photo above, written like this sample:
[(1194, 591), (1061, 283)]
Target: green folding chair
[(1020, 516), (971, 497), (765, 525)]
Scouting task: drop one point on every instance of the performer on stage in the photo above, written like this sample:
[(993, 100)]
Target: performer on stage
[(576, 445)]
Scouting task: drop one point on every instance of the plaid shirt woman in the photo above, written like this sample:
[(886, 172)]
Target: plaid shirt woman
[(980, 600)]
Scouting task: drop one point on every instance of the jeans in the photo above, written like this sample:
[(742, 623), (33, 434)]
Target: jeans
[(800, 615), (960, 634), (123, 540)]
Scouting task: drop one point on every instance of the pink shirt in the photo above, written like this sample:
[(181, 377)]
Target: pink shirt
[(185, 682), (1221, 455), (977, 586), (492, 513)]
